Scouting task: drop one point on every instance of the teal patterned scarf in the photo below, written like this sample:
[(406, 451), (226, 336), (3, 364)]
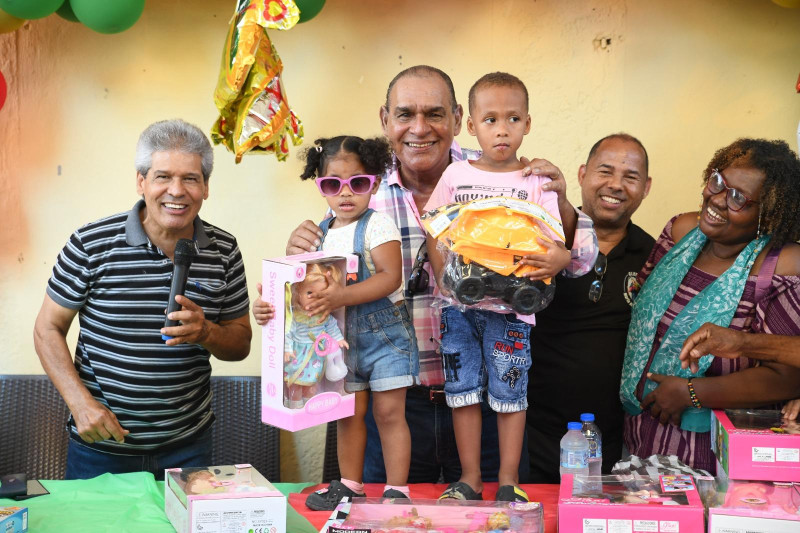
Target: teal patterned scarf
[(716, 303)]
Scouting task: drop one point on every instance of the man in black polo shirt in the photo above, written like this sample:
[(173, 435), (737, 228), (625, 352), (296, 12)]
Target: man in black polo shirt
[(578, 343), (139, 403)]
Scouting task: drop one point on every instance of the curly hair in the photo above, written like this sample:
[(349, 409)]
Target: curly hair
[(375, 154), (780, 195), (495, 79)]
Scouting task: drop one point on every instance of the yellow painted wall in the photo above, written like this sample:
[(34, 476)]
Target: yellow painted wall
[(686, 77)]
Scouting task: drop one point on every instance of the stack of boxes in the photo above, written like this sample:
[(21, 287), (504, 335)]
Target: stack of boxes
[(758, 458)]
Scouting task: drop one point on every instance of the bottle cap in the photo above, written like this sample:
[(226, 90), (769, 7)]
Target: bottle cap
[(587, 417), (574, 425)]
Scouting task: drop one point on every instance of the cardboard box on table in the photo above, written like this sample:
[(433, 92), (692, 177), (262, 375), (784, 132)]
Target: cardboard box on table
[(330, 404), (674, 508), (752, 444), (228, 498), (757, 507), (13, 519)]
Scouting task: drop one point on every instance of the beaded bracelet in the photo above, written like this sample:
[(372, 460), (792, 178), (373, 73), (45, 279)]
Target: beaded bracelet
[(693, 394)]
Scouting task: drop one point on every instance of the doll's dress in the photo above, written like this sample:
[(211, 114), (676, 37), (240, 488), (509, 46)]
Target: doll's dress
[(307, 366)]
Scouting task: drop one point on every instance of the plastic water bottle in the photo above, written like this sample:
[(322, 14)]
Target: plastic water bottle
[(575, 456), (595, 439)]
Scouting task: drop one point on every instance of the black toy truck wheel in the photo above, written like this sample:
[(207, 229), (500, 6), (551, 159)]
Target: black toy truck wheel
[(469, 290), (526, 300)]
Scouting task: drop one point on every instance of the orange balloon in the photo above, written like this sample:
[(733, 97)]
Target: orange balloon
[(9, 23)]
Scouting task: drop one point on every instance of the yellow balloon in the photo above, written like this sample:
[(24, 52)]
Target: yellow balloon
[(9, 23), (787, 3)]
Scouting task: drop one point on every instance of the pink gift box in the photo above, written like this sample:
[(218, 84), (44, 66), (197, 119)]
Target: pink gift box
[(331, 403), (670, 506), (747, 449), (757, 507)]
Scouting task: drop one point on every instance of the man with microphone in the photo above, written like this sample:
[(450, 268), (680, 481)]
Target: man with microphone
[(139, 402)]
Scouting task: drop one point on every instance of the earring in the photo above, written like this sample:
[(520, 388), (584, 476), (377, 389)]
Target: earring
[(700, 209), (758, 231)]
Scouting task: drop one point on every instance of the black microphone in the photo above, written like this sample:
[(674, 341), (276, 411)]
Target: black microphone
[(185, 252)]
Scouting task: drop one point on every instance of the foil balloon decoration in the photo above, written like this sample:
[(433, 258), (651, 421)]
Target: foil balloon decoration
[(254, 112)]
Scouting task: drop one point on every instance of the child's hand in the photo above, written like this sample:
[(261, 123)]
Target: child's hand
[(325, 301), (343, 344), (549, 264), (263, 311)]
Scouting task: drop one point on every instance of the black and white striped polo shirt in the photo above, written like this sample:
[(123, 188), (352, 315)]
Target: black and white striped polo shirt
[(119, 281)]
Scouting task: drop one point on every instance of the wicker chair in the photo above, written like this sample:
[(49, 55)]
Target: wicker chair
[(33, 434)]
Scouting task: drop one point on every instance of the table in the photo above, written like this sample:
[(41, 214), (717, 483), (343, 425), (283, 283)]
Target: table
[(547, 495), (120, 503), (135, 503)]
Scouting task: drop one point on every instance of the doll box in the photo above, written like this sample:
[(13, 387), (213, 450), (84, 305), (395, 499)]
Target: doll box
[(13, 519), (230, 499), (331, 403), (757, 507), (752, 444), (671, 505), (379, 515)]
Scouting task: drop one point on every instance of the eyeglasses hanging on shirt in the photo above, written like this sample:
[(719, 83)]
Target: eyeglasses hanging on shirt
[(596, 288), (419, 279)]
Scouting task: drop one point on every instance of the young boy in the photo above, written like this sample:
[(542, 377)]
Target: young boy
[(498, 107)]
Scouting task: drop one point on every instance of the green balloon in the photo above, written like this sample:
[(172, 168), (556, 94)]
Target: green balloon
[(30, 9), (66, 13), (309, 9), (108, 16)]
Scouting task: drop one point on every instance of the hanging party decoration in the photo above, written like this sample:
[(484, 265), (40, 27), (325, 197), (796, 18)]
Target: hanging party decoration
[(30, 9), (309, 9), (66, 13), (9, 23), (254, 112), (106, 16), (3, 90)]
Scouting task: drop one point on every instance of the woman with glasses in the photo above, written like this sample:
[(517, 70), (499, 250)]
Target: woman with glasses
[(734, 264)]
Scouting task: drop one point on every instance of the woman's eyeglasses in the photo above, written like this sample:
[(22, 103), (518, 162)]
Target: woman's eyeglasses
[(332, 185), (596, 288), (735, 199), (419, 279)]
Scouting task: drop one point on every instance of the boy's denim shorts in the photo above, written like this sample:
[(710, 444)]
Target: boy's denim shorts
[(482, 350), (387, 356)]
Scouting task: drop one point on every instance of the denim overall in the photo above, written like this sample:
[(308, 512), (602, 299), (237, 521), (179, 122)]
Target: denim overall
[(383, 347)]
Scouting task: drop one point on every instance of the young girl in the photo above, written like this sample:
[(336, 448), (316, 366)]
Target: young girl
[(383, 354), (311, 341)]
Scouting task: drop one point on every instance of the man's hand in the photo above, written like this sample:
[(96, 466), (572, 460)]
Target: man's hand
[(95, 423), (668, 400), (327, 300), (543, 167), (710, 339), (548, 264), (263, 311), (193, 328), (306, 238)]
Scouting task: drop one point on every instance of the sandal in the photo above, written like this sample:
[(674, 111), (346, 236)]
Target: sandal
[(511, 493), (458, 490)]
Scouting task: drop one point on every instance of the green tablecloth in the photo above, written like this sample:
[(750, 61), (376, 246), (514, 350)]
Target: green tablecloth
[(119, 503)]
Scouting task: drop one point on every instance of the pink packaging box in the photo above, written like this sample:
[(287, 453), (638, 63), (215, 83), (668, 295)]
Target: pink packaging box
[(229, 498), (752, 444), (401, 515), (671, 505), (757, 507), (327, 400)]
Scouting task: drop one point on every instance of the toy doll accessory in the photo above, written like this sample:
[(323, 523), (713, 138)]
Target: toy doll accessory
[(326, 346), (596, 288), (332, 185)]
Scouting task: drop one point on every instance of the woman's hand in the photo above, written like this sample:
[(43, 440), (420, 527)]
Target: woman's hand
[(668, 400), (263, 311)]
